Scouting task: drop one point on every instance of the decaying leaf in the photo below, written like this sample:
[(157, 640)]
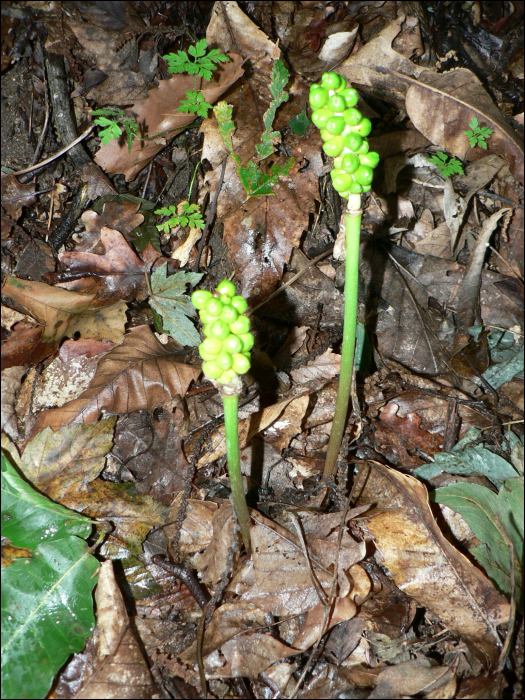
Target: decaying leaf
[(15, 195), (120, 268), (138, 374), (159, 117), (425, 565), (64, 465), (11, 380), (64, 313), (326, 366), (119, 667)]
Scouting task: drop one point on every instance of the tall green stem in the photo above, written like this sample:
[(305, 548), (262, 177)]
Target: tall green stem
[(230, 404), (353, 227)]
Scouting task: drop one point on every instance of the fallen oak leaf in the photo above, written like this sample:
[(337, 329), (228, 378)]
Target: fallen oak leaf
[(120, 267), (64, 313), (139, 374)]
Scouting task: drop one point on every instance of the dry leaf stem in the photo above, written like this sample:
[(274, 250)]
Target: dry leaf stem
[(353, 228)]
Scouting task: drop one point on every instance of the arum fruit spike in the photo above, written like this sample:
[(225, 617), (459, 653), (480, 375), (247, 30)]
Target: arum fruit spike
[(226, 354), (344, 131)]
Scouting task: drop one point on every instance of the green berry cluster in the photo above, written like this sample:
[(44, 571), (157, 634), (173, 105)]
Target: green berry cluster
[(226, 348), (344, 131)]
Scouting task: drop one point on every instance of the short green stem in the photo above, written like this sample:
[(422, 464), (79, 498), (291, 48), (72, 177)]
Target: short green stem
[(234, 466), (353, 227)]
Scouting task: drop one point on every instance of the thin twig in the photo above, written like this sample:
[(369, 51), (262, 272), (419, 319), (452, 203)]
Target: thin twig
[(43, 133), (211, 215), (57, 155), (292, 279)]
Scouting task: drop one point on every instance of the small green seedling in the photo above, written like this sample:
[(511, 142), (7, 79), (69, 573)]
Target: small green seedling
[(185, 215), (226, 354), (201, 63), (344, 131), (445, 166), (257, 183), (115, 121), (478, 135)]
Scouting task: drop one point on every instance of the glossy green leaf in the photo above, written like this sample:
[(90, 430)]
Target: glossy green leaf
[(47, 605)]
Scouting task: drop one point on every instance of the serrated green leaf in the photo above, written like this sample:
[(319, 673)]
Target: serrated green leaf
[(47, 605), (174, 306)]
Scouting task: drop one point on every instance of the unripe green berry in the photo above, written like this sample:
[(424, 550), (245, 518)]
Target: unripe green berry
[(352, 116), (353, 141), (318, 97), (240, 326), (331, 80), (247, 342), (337, 103), (229, 314), (206, 330), (363, 175), (206, 318), (213, 307), (325, 135), (228, 376), (355, 188), (211, 370), (367, 188), (363, 148), (226, 287), (333, 147), (371, 159), (239, 303), (364, 127), (241, 364), (350, 95), (200, 297), (226, 299), (218, 329), (350, 162), (342, 84), (341, 181), (321, 116), (212, 346), (208, 356), (224, 360), (233, 344), (335, 125)]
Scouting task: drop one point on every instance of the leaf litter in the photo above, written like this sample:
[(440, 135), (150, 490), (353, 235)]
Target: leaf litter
[(112, 422)]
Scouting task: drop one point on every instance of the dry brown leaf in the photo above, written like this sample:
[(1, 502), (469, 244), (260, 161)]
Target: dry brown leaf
[(119, 667), (64, 313), (260, 232), (213, 563), (15, 195), (279, 434), (158, 114), (116, 213), (11, 381), (64, 465), (361, 68), (19, 348), (425, 565), (139, 374), (120, 268), (277, 579), (326, 366), (418, 677), (227, 621), (314, 625), (196, 531), (441, 105)]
